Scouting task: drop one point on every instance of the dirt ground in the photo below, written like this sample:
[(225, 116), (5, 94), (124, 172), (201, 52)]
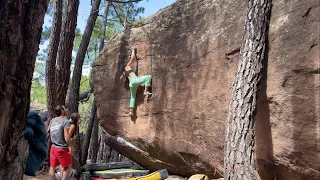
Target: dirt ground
[(39, 177)]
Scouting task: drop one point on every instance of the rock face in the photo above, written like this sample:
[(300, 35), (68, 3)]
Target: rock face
[(191, 50)]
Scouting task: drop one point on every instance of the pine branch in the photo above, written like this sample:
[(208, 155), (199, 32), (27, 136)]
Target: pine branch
[(115, 9), (130, 1), (102, 17)]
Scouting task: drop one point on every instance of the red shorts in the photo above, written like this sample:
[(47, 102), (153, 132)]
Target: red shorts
[(60, 156)]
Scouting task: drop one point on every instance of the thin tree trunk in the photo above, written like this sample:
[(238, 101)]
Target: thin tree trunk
[(107, 153), (104, 27), (65, 50), (51, 61), (95, 139), (125, 19), (104, 157), (76, 77), (101, 145), (76, 156), (20, 32), (51, 65), (239, 159), (102, 153), (115, 10), (114, 156), (98, 154), (93, 132), (86, 142), (90, 152)]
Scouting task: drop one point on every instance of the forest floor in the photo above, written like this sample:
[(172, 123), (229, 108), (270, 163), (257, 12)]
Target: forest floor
[(39, 177)]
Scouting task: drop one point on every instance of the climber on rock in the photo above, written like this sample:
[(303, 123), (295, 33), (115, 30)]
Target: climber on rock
[(135, 81)]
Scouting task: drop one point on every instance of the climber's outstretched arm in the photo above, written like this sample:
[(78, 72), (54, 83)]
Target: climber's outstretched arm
[(132, 57)]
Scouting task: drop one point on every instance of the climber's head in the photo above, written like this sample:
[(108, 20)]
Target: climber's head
[(123, 77), (60, 110)]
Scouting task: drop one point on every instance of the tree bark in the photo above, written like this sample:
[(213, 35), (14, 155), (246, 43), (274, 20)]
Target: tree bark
[(114, 156), (98, 154), (90, 151), (86, 142), (106, 153), (101, 144), (20, 31), (76, 78), (51, 60), (95, 139), (101, 153), (65, 50), (76, 155), (239, 160)]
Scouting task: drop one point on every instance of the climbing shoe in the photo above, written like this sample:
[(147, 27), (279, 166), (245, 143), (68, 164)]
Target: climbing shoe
[(147, 93), (130, 113)]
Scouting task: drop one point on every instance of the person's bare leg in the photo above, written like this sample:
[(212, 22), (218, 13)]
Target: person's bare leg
[(132, 57), (61, 170), (146, 88), (146, 91), (66, 173), (131, 112), (52, 172)]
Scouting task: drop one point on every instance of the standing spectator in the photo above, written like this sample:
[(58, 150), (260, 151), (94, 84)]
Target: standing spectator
[(60, 152)]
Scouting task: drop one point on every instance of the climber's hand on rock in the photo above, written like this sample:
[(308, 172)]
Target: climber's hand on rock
[(134, 50)]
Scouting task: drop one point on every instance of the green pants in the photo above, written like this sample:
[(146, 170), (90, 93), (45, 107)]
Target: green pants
[(134, 83)]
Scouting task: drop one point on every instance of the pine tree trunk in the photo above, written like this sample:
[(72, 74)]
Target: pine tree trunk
[(102, 153), (107, 153), (239, 159), (95, 139), (93, 127), (76, 77), (92, 132), (76, 155), (51, 60), (114, 156), (51, 66), (101, 147), (65, 50), (104, 27), (90, 152), (97, 148), (86, 142), (20, 31)]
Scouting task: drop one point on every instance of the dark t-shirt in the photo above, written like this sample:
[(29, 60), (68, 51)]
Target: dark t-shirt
[(57, 126)]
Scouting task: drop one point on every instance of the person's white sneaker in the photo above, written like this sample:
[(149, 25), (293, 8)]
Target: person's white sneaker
[(147, 93)]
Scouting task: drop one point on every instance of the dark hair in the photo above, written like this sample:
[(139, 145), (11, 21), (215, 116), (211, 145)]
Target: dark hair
[(58, 110), (74, 117)]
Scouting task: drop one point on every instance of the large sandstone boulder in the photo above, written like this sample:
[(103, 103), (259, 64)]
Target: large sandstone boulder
[(191, 50)]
